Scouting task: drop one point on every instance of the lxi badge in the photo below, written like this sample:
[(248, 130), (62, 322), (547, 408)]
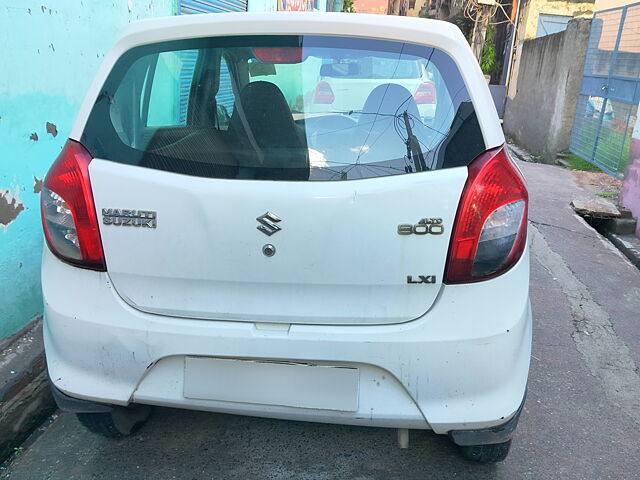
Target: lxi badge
[(430, 279)]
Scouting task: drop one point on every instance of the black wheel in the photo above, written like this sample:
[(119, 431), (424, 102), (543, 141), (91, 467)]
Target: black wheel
[(496, 452), (120, 422)]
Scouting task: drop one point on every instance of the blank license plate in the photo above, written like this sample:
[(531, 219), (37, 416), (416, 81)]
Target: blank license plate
[(271, 383)]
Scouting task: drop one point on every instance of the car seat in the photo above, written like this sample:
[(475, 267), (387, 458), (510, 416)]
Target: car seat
[(268, 144), (382, 125)]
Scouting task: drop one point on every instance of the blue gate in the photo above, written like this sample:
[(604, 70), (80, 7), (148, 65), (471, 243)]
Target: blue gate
[(608, 103), (186, 7)]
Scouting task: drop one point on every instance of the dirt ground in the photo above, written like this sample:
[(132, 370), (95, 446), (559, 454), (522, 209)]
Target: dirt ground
[(600, 183)]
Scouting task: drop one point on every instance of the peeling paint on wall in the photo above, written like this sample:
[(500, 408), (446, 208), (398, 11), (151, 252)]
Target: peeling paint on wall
[(10, 207), (52, 129), (50, 54), (37, 185)]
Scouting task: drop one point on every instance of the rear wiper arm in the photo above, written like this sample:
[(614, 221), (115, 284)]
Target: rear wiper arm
[(414, 151)]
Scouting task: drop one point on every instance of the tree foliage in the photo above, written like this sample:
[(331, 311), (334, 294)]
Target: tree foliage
[(488, 55), (348, 6)]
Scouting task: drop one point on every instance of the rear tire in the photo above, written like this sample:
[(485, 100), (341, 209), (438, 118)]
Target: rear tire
[(119, 423), (491, 453)]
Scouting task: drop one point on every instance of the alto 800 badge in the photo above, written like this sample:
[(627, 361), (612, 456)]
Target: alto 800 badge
[(426, 226)]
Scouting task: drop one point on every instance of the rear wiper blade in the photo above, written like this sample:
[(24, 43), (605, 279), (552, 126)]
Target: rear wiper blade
[(414, 150)]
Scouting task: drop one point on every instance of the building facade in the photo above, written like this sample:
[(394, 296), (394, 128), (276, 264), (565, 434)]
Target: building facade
[(381, 6)]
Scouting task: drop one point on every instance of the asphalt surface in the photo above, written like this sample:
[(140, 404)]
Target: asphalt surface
[(580, 420)]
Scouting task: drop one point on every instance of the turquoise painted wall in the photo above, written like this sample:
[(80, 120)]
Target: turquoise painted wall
[(49, 53)]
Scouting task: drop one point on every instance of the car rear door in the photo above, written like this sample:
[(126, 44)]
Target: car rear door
[(367, 244)]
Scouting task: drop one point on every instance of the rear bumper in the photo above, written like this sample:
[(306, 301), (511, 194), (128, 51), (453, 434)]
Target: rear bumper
[(463, 366), (485, 436), (76, 405)]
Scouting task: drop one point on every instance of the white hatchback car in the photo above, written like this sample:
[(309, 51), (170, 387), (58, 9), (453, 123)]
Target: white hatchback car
[(217, 243), (345, 83)]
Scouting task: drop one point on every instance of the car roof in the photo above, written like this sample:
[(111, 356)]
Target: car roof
[(443, 35), (389, 27)]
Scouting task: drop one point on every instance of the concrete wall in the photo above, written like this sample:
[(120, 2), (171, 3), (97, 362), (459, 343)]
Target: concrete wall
[(527, 26), (50, 52), (540, 114)]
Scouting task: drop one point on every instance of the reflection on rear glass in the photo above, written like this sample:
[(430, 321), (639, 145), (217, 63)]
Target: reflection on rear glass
[(285, 108)]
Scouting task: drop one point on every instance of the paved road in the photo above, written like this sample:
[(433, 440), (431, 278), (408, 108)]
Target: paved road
[(581, 418)]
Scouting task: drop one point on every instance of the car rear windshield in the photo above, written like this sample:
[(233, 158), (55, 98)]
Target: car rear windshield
[(285, 107)]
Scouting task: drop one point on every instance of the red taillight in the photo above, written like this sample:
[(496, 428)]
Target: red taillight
[(490, 231), (68, 213), (279, 55), (324, 93), (426, 93)]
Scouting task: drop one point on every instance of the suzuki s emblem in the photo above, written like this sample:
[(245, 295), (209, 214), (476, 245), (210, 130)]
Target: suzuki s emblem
[(268, 223)]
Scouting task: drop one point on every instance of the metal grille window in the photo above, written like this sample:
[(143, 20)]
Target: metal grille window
[(188, 58), (188, 7), (225, 96), (607, 107)]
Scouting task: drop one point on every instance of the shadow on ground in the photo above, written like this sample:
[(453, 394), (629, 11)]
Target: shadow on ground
[(198, 446)]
